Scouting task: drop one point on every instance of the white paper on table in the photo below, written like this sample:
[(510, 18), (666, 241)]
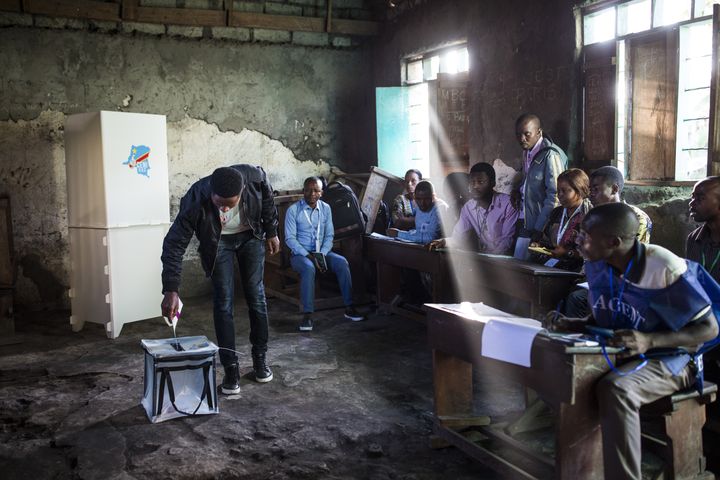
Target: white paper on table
[(381, 236), (508, 340), (482, 313)]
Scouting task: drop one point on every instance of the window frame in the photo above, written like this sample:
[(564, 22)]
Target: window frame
[(408, 59), (713, 159)]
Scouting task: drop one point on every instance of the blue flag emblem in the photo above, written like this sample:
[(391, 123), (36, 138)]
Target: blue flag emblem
[(139, 159)]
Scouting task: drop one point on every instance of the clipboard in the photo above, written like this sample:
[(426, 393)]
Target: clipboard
[(541, 251)]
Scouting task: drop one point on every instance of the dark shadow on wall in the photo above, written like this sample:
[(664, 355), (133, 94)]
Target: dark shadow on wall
[(51, 290)]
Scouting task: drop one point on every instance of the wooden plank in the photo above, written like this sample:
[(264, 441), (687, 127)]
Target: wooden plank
[(302, 24), (452, 385), (653, 70), (277, 22), (355, 27), (461, 421), (181, 16), (74, 9), (328, 18), (500, 435), (129, 9), (228, 10), (599, 85), (484, 455), (11, 5)]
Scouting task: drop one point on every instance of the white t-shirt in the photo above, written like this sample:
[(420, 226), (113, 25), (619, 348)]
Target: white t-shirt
[(233, 221), (662, 268)]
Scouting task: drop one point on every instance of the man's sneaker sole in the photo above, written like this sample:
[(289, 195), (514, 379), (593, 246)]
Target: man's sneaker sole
[(230, 391), (265, 379), (354, 319)]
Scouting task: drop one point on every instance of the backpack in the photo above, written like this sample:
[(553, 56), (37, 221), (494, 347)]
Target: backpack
[(346, 214), (382, 220)]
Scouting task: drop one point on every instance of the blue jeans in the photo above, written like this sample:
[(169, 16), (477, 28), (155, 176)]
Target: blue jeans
[(306, 268), (250, 254)]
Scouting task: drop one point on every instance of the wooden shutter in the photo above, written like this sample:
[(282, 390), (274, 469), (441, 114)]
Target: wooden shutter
[(653, 82), (599, 79)]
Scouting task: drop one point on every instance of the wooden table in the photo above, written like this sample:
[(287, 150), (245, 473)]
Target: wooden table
[(562, 376), (504, 282), (521, 287), (391, 256)]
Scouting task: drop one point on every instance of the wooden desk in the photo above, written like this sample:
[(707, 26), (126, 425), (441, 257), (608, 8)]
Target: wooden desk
[(562, 376), (391, 256), (470, 276), (535, 289)]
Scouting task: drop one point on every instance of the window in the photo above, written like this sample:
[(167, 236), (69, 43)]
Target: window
[(633, 17), (662, 77), (425, 68), (424, 123), (704, 7), (693, 100), (670, 11), (599, 27)]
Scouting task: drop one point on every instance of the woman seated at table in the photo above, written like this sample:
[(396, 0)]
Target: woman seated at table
[(404, 207), (563, 225), (487, 221)]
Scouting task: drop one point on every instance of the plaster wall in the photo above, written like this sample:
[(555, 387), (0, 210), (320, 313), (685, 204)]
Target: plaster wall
[(294, 110)]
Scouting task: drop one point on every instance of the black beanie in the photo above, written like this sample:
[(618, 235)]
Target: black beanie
[(226, 182)]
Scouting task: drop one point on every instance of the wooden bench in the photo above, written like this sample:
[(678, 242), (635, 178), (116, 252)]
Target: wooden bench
[(672, 428)]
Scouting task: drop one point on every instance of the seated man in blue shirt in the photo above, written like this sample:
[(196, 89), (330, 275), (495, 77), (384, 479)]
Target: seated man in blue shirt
[(309, 234), (428, 218)]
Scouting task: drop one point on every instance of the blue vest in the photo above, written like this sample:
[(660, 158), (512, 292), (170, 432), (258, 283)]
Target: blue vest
[(653, 310)]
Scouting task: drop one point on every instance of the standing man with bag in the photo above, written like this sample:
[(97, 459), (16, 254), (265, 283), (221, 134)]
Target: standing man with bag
[(233, 215)]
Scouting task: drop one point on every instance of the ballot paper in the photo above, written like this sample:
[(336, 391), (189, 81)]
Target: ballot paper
[(173, 323), (509, 340), (505, 336)]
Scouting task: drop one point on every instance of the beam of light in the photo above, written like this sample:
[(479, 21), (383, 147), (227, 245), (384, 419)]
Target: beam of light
[(470, 283)]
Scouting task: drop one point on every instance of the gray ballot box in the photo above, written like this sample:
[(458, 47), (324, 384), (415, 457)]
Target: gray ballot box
[(179, 378)]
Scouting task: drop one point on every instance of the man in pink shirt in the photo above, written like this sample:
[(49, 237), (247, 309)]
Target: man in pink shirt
[(489, 216)]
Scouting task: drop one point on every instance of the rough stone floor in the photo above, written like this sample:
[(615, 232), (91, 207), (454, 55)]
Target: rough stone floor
[(349, 401)]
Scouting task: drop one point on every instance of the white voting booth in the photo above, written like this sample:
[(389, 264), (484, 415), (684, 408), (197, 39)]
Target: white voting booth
[(118, 214)]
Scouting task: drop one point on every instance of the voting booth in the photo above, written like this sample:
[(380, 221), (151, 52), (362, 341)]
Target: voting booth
[(179, 378), (118, 214)]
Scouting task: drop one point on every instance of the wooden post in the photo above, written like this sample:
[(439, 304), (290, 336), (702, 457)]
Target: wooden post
[(328, 19)]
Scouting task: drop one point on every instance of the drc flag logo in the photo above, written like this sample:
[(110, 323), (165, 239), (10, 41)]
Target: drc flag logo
[(139, 159)]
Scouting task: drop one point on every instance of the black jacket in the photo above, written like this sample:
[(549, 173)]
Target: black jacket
[(200, 216)]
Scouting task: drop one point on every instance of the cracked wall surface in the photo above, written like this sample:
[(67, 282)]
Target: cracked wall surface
[(293, 110)]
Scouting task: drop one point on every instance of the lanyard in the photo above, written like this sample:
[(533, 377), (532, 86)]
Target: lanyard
[(482, 225), (564, 225), (317, 235), (622, 290), (412, 207), (601, 340), (717, 257)]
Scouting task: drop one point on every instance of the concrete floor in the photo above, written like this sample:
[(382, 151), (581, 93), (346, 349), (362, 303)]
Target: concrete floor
[(349, 400)]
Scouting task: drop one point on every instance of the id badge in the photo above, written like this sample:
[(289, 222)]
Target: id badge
[(552, 262)]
